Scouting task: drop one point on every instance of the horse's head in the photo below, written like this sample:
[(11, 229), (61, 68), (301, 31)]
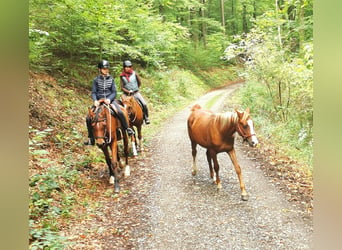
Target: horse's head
[(99, 124), (245, 127), (128, 102)]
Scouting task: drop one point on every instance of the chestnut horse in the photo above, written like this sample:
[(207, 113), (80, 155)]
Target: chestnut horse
[(136, 119), (215, 133), (105, 129)]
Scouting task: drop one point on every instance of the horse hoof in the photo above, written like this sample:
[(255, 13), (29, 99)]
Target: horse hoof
[(111, 180), (244, 197), (116, 190), (193, 173), (127, 171), (219, 186)]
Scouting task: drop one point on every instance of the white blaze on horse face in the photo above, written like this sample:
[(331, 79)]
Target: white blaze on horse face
[(253, 139)]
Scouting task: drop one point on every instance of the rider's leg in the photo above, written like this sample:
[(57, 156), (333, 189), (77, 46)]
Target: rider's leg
[(122, 119), (144, 106), (91, 139)]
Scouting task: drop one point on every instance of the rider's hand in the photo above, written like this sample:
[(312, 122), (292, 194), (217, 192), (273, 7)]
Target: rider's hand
[(130, 92), (96, 103), (107, 101)]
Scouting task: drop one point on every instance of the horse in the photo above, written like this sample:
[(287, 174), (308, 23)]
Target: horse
[(105, 129), (136, 119), (215, 132)]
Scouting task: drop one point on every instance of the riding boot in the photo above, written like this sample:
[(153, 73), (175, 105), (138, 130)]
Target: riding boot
[(91, 139), (145, 111), (124, 123)]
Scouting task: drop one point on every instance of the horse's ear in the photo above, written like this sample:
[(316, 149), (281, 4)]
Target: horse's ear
[(247, 110), (239, 113), (90, 111)]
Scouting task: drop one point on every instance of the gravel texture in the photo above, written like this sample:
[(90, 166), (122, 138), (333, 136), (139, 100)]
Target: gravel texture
[(162, 206), (188, 212)]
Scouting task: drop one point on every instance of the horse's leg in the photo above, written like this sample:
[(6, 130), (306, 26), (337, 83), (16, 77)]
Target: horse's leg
[(210, 165), (140, 138), (194, 152), (125, 144), (217, 168), (115, 166), (109, 163), (232, 155), (134, 142)]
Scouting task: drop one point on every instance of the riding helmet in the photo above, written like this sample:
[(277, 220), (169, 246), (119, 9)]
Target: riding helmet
[(104, 64), (127, 63)]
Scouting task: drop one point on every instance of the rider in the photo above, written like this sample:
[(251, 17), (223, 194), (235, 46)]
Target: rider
[(130, 82), (104, 88)]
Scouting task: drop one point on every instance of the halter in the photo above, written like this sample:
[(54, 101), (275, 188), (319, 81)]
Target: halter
[(104, 119), (131, 113), (241, 132)]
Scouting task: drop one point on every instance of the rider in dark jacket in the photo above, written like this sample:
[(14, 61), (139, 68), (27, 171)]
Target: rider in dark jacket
[(104, 88)]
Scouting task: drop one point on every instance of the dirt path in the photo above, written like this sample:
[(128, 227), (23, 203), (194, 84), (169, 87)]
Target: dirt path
[(186, 212), (162, 206)]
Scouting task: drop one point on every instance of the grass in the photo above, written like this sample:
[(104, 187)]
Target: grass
[(284, 136)]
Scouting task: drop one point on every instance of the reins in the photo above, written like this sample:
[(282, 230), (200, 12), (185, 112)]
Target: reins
[(130, 114), (96, 120)]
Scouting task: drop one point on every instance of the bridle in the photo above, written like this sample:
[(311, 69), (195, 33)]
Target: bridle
[(104, 119), (131, 113), (240, 129)]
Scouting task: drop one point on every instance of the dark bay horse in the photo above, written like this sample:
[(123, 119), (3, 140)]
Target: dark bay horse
[(136, 119), (105, 129), (215, 133)]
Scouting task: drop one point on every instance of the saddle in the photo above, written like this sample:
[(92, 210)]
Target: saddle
[(114, 112)]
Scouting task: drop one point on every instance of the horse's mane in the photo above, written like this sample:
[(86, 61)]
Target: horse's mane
[(97, 111), (226, 119)]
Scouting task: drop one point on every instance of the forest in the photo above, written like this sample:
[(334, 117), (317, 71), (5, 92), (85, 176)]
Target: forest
[(182, 49)]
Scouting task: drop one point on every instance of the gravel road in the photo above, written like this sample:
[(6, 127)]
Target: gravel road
[(188, 212)]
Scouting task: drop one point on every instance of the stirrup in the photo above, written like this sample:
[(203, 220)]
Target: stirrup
[(130, 131), (89, 142)]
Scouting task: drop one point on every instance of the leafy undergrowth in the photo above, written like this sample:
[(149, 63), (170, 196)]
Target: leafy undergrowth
[(289, 175)]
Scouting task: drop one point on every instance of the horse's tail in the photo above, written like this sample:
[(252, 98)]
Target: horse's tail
[(196, 107)]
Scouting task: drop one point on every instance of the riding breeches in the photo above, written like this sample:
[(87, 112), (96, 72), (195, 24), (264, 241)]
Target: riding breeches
[(120, 115)]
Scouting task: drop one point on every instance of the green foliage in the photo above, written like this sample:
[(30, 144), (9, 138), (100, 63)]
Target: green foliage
[(50, 198), (198, 58), (280, 92), (47, 239), (82, 32), (39, 48)]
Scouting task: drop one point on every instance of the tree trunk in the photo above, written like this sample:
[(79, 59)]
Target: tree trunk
[(244, 18), (279, 28), (301, 31), (254, 9), (204, 28), (223, 22)]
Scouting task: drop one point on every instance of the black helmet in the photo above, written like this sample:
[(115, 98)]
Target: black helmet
[(104, 64), (127, 63)]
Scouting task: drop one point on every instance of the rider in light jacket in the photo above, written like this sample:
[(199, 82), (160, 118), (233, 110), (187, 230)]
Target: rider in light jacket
[(130, 83)]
